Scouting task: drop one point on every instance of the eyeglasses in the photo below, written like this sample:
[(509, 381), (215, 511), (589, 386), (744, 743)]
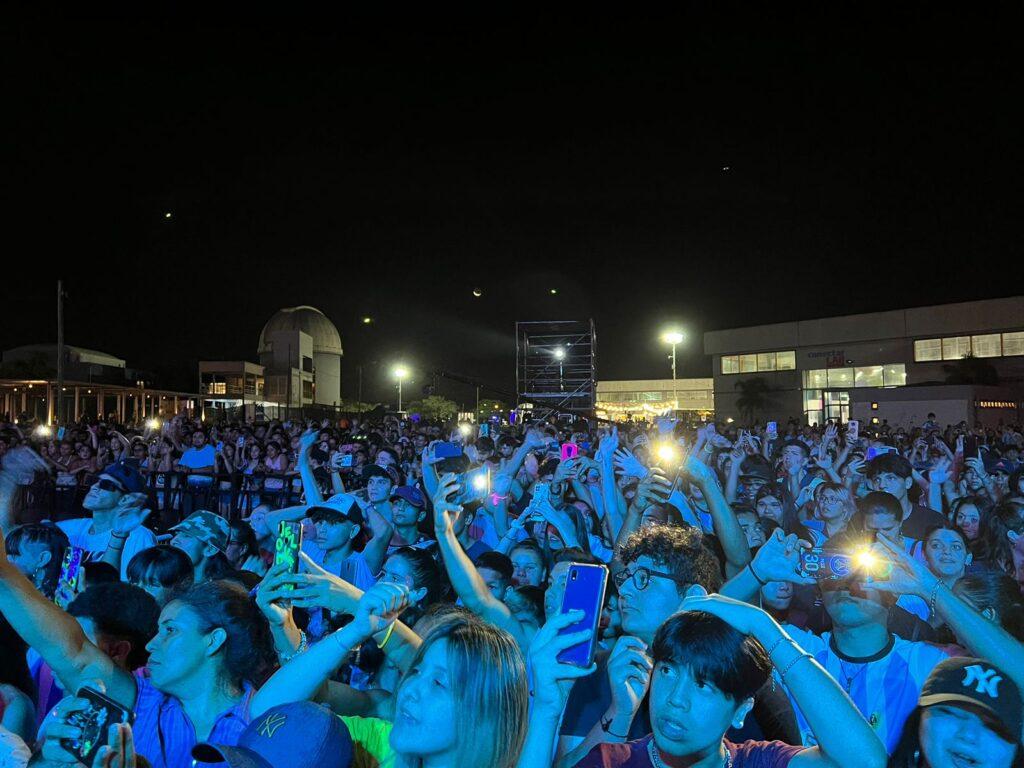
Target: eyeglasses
[(642, 577), (108, 485)]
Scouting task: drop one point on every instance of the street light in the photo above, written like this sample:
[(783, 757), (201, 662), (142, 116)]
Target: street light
[(674, 338), (400, 372), (559, 354)]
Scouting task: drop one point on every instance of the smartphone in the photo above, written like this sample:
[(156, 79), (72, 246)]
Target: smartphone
[(94, 723), (971, 447), (570, 451), (541, 493), (60, 433), (346, 460), (220, 446), (822, 564), (853, 430), (70, 575), (772, 430), (584, 590), (447, 450), (240, 442), (476, 485), (287, 546), (485, 430)]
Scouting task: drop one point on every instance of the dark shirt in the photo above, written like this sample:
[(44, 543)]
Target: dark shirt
[(747, 754), (920, 520)]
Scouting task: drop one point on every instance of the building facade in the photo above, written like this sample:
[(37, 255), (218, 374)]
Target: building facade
[(647, 398), (817, 369)]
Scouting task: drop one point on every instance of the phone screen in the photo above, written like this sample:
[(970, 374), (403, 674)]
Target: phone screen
[(584, 590), (70, 574), (570, 451), (94, 723), (287, 546), (853, 430)]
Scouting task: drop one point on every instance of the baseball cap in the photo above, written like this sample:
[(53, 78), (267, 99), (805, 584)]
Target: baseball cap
[(375, 470), (755, 468), (1004, 465), (966, 680), (207, 527), (126, 473), (793, 442), (293, 735), (342, 504), (411, 494)]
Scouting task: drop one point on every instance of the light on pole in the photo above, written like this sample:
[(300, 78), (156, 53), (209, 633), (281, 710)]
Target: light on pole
[(559, 354), (400, 372), (674, 338)]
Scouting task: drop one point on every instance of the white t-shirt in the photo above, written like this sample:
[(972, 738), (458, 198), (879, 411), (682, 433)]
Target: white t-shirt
[(884, 690), (353, 569), (95, 544)]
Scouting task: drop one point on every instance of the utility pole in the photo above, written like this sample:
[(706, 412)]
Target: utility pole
[(60, 352)]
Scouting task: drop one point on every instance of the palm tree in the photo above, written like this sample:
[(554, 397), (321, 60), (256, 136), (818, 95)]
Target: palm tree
[(755, 396), (971, 370)]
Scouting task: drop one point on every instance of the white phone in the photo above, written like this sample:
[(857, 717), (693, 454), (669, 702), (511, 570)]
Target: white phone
[(853, 430)]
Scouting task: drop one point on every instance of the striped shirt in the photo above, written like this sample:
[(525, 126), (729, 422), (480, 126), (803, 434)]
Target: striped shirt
[(884, 689), (164, 734)]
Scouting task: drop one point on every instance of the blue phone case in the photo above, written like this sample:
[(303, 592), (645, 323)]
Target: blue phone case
[(584, 591)]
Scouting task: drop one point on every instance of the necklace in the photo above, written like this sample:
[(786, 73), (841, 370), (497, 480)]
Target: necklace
[(848, 677), (657, 762)]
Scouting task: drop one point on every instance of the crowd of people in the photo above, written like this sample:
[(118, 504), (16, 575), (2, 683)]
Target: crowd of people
[(777, 595)]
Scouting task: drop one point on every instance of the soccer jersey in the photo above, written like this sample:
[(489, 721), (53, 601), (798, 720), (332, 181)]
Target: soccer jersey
[(884, 688)]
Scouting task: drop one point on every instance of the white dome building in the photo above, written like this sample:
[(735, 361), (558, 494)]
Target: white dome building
[(303, 338)]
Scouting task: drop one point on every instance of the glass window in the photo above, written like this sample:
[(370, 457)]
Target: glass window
[(815, 379), (840, 377), (730, 364), (927, 350), (748, 363), (1013, 343), (986, 346), (785, 361), (895, 375), (813, 417), (955, 347), (766, 361), (868, 376)]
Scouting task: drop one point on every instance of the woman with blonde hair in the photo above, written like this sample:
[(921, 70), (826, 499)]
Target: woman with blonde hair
[(834, 505)]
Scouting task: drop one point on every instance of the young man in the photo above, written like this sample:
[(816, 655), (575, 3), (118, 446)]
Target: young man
[(882, 515), (408, 510), (709, 661), (203, 536), (107, 499), (893, 474), (496, 571)]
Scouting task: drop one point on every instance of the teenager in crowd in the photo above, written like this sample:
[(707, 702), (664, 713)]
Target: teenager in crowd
[(163, 572), (37, 550), (892, 473), (203, 536)]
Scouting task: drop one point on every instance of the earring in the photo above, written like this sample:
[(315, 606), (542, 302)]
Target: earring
[(917, 757)]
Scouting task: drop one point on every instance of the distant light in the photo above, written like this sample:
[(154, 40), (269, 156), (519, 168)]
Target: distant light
[(559, 353), (400, 372), (367, 320), (725, 167), (729, 420), (167, 215), (465, 429), (477, 292), (672, 337), (153, 424), (43, 431), (554, 291)]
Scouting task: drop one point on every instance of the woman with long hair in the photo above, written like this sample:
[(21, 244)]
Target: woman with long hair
[(37, 550), (985, 532)]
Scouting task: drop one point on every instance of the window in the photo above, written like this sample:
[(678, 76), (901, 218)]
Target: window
[(730, 364), (927, 350), (895, 375), (869, 376), (816, 379), (840, 377), (766, 361), (988, 345), (1013, 343), (955, 347), (785, 361), (748, 363), (761, 362), (307, 364), (307, 390)]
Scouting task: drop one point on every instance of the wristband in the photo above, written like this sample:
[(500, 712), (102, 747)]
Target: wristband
[(778, 642), (387, 635), (933, 597), (606, 725), (303, 645), (750, 567), (793, 663)]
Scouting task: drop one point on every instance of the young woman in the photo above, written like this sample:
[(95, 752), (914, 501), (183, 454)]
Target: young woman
[(243, 549), (37, 550), (164, 572), (986, 535), (418, 571)]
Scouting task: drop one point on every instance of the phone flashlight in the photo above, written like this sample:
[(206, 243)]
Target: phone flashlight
[(465, 429)]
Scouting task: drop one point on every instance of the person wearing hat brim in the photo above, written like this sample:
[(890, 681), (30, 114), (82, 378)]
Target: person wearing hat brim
[(203, 536), (969, 714)]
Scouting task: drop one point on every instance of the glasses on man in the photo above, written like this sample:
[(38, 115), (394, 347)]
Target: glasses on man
[(108, 485), (641, 576)]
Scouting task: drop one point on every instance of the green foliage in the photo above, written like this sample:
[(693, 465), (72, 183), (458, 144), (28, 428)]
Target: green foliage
[(434, 407)]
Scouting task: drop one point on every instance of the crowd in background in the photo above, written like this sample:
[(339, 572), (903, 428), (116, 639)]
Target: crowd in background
[(425, 626)]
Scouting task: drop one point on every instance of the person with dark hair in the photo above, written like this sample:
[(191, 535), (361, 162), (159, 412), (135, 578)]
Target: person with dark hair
[(243, 549), (163, 572), (892, 473), (969, 714), (882, 515), (660, 564), (709, 661), (418, 571), (995, 596), (496, 571), (120, 619), (37, 550), (408, 511), (529, 567)]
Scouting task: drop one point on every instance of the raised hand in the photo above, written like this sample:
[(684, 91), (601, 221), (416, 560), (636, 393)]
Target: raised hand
[(553, 679), (307, 440), (908, 575), (742, 617), (119, 751), (778, 559), (629, 464), (608, 445), (940, 472), (380, 605), (629, 674), (445, 511), (130, 514)]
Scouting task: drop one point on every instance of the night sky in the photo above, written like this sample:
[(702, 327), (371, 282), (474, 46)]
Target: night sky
[(723, 167)]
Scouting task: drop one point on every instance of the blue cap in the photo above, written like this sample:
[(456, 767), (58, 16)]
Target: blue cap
[(294, 735), (126, 473)]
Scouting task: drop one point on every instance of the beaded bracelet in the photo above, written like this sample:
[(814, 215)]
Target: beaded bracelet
[(792, 663), (933, 597)]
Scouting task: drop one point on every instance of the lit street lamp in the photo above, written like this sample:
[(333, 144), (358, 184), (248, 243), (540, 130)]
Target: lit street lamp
[(674, 338), (559, 354), (400, 372)]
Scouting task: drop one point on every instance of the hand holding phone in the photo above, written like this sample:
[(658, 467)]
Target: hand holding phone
[(584, 591), (70, 575), (93, 718), (287, 546), (853, 431)]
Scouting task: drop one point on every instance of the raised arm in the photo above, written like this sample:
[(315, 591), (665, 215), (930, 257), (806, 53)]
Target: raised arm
[(309, 485), (843, 737), (730, 534)]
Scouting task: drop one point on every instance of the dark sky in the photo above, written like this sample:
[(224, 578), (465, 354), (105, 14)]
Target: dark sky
[(387, 165)]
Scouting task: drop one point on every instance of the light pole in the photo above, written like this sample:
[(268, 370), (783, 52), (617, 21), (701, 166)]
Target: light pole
[(560, 357), (674, 338), (400, 372)]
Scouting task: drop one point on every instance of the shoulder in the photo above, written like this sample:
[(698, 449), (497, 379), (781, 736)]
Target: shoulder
[(762, 754), (632, 754), (806, 639), (75, 526)]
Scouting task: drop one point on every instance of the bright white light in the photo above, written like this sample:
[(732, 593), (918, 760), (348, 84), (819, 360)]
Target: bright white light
[(559, 353), (43, 431), (367, 320), (153, 424), (554, 291), (477, 292), (667, 452), (400, 372), (672, 337), (729, 420), (479, 482), (167, 215), (465, 430)]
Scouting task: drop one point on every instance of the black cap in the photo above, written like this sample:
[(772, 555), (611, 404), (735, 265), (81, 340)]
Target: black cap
[(977, 682)]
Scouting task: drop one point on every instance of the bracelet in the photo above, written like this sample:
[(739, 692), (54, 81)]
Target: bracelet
[(933, 597), (750, 567), (303, 645), (606, 725), (387, 635), (778, 642), (792, 663)]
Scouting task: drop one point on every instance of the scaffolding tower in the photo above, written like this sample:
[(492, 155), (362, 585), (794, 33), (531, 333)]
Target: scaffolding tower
[(556, 365)]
